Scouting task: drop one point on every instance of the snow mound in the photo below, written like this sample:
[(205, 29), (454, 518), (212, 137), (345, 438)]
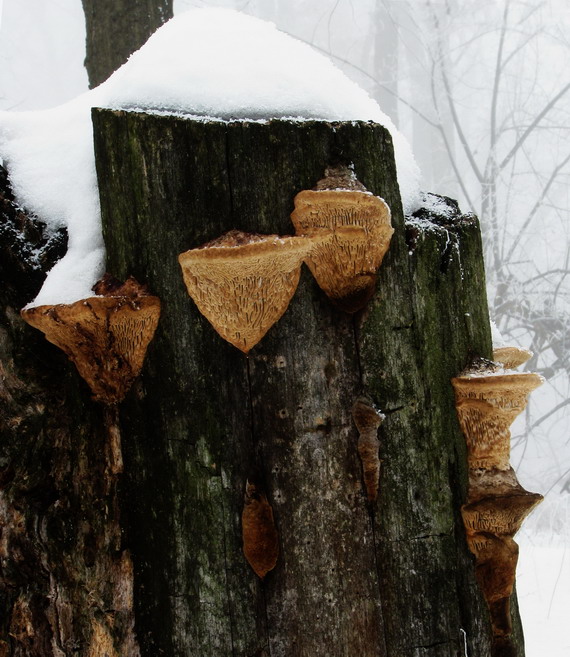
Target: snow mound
[(213, 63)]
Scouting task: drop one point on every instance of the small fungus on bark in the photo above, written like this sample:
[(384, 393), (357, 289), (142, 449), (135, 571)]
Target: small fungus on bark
[(367, 420), (260, 538), (345, 264), (243, 282), (487, 404), (511, 357), (106, 336)]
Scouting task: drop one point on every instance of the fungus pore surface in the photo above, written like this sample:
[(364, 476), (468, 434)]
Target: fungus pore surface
[(106, 336), (355, 230), (486, 408), (243, 282), (487, 401), (511, 357)]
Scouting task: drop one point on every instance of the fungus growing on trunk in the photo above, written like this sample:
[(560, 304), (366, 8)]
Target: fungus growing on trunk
[(487, 404), (487, 401), (106, 336), (345, 264), (495, 510), (511, 357), (367, 420), (243, 282), (260, 538)]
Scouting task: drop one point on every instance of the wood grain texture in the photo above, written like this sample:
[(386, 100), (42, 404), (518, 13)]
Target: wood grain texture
[(391, 579)]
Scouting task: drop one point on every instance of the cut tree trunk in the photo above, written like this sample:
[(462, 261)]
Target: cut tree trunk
[(205, 423), (115, 29)]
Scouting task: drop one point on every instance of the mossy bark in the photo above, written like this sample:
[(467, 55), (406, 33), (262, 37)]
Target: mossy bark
[(390, 578)]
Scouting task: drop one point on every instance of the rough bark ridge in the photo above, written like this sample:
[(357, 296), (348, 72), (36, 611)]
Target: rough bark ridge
[(65, 579), (391, 577), (115, 29)]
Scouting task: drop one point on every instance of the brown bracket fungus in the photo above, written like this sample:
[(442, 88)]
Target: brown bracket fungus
[(367, 420), (487, 401), (260, 538), (487, 404), (496, 508), (243, 282), (511, 357), (345, 264), (106, 336)]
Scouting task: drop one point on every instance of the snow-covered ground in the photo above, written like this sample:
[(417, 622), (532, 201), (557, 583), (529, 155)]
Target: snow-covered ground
[(543, 578), (543, 586)]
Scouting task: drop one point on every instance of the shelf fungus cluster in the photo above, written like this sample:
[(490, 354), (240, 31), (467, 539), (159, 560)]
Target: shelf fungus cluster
[(243, 282), (106, 336), (488, 399), (359, 230)]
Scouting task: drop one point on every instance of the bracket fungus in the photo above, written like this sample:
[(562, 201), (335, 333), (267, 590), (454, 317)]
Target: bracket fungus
[(495, 510), (511, 357), (260, 538), (243, 282), (106, 336), (345, 264), (487, 404), (367, 420), (488, 399)]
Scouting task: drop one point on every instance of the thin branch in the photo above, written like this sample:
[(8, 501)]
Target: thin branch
[(537, 205), (447, 144), (497, 80), (551, 103), (372, 79), (451, 102), (545, 274)]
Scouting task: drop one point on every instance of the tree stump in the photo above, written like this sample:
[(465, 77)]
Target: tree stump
[(332, 450), (390, 576)]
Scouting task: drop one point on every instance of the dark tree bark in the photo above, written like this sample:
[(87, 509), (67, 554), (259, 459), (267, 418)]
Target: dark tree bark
[(393, 577), (115, 29), (151, 562), (65, 579)]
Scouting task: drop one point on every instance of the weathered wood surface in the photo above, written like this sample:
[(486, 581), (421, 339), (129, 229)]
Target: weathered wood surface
[(65, 579), (393, 578)]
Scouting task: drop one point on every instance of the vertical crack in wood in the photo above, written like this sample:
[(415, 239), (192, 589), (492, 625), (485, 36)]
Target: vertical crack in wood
[(260, 458), (356, 319), (226, 568), (113, 445), (355, 332)]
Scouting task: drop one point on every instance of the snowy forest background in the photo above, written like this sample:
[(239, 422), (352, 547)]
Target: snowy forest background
[(481, 90)]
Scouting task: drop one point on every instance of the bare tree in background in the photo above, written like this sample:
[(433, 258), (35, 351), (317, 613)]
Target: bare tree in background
[(115, 29), (515, 174)]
